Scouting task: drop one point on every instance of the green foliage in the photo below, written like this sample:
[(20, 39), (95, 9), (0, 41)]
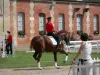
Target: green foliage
[(79, 32), (96, 32), (42, 32), (21, 33)]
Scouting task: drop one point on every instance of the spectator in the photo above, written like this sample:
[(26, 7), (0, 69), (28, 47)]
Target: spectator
[(9, 43), (85, 51)]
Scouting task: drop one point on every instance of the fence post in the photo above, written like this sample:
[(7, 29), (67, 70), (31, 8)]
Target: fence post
[(80, 69), (97, 69), (73, 69), (4, 54), (94, 69), (74, 46), (87, 69), (97, 46)]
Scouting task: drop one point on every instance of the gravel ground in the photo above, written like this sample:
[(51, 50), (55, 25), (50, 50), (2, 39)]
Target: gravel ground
[(36, 71)]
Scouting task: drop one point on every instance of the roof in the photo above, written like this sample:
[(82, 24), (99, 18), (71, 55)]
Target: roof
[(71, 0), (64, 1)]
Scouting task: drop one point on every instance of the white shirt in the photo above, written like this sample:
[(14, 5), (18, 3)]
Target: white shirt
[(87, 50)]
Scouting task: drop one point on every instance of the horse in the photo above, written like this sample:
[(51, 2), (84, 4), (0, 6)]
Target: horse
[(42, 43)]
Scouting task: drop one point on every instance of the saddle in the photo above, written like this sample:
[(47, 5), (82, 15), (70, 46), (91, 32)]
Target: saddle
[(53, 40), (65, 47)]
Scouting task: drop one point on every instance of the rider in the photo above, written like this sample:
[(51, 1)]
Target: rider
[(50, 31)]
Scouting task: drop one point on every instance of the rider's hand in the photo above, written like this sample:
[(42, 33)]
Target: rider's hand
[(54, 31), (73, 61)]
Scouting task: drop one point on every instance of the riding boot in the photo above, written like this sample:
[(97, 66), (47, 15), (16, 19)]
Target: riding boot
[(58, 42), (57, 46)]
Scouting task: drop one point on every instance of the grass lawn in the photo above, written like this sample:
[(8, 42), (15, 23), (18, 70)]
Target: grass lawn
[(22, 59)]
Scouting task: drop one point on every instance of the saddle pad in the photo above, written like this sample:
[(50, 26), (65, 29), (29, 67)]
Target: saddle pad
[(53, 40)]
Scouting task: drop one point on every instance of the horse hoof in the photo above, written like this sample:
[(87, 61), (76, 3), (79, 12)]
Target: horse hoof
[(57, 67), (40, 68), (64, 62)]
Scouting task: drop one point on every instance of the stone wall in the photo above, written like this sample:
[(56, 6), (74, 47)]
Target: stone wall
[(6, 16), (33, 9)]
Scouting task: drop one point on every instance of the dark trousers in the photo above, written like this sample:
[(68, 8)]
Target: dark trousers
[(55, 37), (9, 48), (82, 61)]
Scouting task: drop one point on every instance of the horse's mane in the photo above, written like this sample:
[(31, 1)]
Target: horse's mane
[(61, 32), (65, 35)]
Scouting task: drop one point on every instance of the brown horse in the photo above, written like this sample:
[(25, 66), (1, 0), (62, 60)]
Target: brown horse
[(43, 44)]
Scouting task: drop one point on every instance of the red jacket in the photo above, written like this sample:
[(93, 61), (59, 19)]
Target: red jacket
[(9, 40), (49, 27)]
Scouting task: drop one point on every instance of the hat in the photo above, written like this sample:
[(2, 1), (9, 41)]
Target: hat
[(49, 18)]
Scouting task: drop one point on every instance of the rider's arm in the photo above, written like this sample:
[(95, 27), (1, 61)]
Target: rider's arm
[(79, 52)]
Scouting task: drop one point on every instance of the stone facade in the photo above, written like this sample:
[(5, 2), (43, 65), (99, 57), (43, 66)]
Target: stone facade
[(32, 9), (4, 26)]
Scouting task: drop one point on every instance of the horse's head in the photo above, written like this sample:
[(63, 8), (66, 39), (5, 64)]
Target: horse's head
[(64, 35)]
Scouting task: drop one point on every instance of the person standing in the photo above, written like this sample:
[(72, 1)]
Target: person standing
[(9, 43), (50, 31), (85, 52)]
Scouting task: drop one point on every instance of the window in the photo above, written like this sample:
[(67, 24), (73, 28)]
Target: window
[(1, 12), (21, 20), (79, 22), (41, 24), (61, 22), (96, 24)]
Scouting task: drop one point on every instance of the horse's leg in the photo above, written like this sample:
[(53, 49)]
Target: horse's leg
[(35, 55), (64, 52), (66, 58), (55, 59), (38, 60)]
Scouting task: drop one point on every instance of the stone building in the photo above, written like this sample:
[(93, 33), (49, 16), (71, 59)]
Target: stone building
[(27, 18)]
